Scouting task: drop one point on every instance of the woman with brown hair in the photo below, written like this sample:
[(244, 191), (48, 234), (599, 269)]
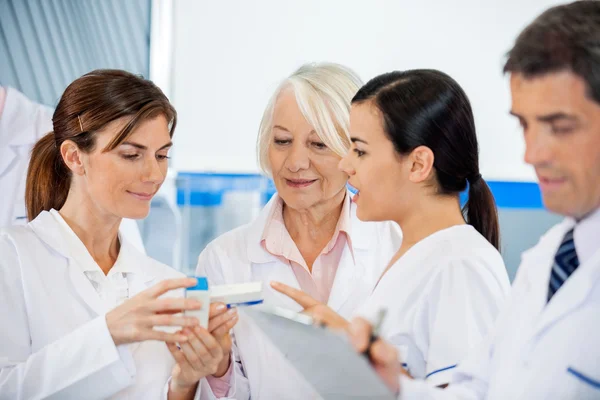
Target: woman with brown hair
[(79, 303)]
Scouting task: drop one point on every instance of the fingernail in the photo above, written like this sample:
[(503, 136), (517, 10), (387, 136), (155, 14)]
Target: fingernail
[(232, 311), (274, 283), (221, 306)]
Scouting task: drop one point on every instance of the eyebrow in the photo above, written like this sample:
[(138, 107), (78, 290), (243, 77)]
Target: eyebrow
[(355, 139), (550, 117), (142, 147), (280, 127), (312, 132)]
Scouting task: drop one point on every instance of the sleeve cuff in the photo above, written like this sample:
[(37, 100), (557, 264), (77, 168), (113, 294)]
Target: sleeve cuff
[(440, 376), (414, 389), (121, 352)]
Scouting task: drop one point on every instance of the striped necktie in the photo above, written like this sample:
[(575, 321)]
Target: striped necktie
[(565, 263)]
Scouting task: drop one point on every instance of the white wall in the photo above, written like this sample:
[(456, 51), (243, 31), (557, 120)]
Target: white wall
[(230, 55)]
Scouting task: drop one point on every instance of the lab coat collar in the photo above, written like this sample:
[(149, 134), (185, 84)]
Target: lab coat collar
[(20, 119), (361, 233), (77, 250), (49, 227), (574, 291)]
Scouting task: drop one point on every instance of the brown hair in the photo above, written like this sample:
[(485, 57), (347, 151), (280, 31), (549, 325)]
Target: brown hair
[(88, 105), (564, 37)]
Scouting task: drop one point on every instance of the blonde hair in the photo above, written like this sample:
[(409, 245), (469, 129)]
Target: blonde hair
[(324, 93)]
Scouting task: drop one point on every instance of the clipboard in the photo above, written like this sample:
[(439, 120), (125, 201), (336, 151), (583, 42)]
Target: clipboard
[(325, 358)]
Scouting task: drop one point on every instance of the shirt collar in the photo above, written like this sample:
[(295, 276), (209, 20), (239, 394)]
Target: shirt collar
[(274, 236)]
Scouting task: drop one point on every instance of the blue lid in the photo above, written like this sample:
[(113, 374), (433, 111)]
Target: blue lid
[(201, 283)]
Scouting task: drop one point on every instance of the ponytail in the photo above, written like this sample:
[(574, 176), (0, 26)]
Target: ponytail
[(481, 211), (48, 178)]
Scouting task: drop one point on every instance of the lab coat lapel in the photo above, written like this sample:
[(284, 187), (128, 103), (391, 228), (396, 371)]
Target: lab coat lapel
[(347, 277), (141, 272), (572, 293), (279, 272), (84, 288), (263, 264), (352, 269), (8, 156), (49, 231)]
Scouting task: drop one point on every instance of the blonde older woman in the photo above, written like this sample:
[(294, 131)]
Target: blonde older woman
[(307, 236)]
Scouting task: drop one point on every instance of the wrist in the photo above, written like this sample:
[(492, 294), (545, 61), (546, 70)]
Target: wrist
[(223, 366), (181, 390), (109, 327)]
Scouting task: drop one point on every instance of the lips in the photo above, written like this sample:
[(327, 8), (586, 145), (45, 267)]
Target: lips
[(549, 184), (142, 195), (300, 183)]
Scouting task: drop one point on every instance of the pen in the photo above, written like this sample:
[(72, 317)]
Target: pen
[(375, 332)]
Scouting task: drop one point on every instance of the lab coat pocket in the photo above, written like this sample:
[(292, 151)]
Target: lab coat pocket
[(403, 353), (585, 384)]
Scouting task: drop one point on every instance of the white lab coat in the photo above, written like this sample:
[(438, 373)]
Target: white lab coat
[(22, 123), (442, 297), (537, 350), (54, 341), (262, 371)]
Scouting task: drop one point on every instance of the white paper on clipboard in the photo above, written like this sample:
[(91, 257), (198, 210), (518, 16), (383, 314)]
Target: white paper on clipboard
[(327, 361)]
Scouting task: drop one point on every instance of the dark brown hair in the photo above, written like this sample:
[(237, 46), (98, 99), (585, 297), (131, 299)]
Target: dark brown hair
[(565, 37), (426, 107), (88, 105)]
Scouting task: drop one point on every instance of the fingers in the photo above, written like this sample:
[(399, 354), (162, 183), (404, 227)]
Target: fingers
[(224, 329), (360, 333), (166, 337), (297, 295), (169, 284), (177, 354), (202, 351), (211, 344), (222, 319), (173, 304), (171, 320), (216, 309), (194, 359)]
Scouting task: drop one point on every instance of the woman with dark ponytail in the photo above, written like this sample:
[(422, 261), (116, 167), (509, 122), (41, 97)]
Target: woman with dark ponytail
[(80, 304), (414, 151)]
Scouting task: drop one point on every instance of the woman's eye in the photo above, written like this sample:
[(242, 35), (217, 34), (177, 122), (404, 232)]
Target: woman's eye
[(282, 141), (319, 145), (359, 153), (162, 157), (130, 156)]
